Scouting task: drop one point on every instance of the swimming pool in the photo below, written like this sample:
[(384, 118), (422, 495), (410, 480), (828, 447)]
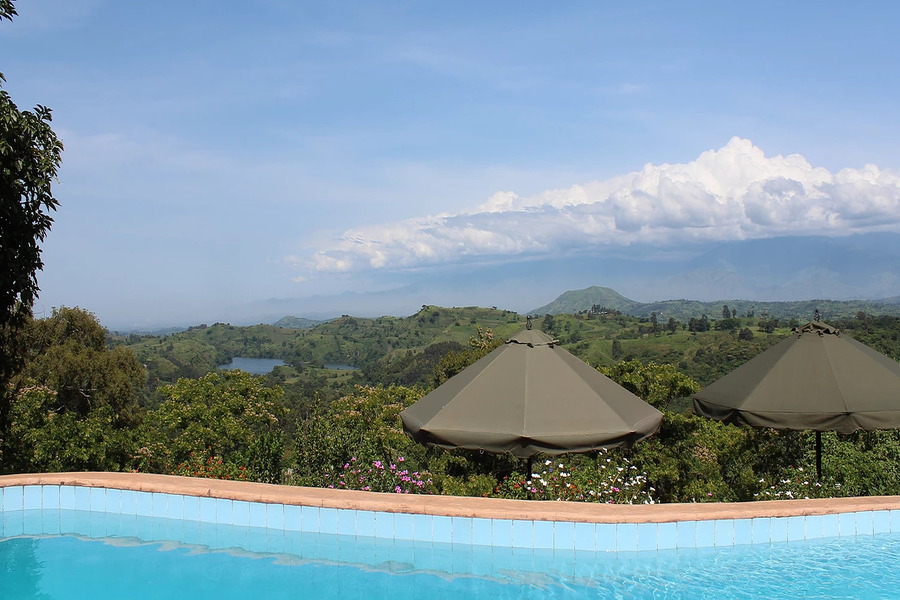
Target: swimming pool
[(324, 548)]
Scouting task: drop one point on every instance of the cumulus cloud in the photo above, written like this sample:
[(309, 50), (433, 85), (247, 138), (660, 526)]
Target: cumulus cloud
[(733, 193)]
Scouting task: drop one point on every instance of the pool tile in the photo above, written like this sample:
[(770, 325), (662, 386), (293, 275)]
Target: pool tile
[(626, 537), (50, 522), (831, 525), (442, 528), (207, 510), (564, 535), (881, 521), (66, 521), (778, 530), (257, 540), (647, 536), (346, 522), (423, 528), (192, 531), (82, 498), (13, 497), (98, 499), (328, 520), (143, 504), (257, 514), (604, 535), (814, 527), (32, 497), (175, 507), (192, 508), (365, 524), (724, 533), (160, 504), (114, 501), (543, 535), (501, 533), (743, 532), (67, 497), (275, 516), (403, 527), (83, 523), (522, 534), (224, 511), (240, 513), (687, 534), (667, 536), (14, 526), (482, 532), (309, 521), (292, 517), (33, 522), (848, 524), (384, 525), (796, 528), (706, 534), (50, 496), (761, 530), (895, 520), (586, 536), (864, 523)]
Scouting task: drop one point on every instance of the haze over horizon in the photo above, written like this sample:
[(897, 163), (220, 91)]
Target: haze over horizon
[(226, 161)]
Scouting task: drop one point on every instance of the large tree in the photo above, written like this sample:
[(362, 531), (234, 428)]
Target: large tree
[(30, 154)]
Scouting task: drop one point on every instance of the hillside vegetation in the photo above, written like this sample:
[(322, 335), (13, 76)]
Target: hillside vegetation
[(576, 301), (305, 424)]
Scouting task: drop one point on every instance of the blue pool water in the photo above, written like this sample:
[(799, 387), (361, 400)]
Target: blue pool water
[(103, 555)]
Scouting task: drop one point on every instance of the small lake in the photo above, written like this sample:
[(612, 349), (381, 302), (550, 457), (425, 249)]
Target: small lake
[(257, 366)]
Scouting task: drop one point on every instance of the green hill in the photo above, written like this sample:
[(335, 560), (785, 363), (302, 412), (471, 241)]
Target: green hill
[(575, 301), (290, 322)]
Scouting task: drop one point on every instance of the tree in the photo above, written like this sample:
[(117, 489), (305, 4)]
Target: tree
[(74, 404), (227, 417), (30, 155), (672, 325), (726, 312)]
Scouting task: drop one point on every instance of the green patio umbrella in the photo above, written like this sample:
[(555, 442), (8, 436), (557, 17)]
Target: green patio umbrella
[(530, 396), (814, 380)]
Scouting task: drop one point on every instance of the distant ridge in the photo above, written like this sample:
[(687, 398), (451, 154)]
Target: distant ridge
[(575, 301), (290, 322)]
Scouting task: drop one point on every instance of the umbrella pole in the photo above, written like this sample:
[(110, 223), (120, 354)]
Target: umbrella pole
[(527, 468), (819, 455)]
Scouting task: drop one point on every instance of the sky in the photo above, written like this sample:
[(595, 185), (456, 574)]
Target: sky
[(235, 160)]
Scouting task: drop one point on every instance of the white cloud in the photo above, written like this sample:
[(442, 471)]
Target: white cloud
[(732, 193)]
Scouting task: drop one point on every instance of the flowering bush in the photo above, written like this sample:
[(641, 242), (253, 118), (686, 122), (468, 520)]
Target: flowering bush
[(379, 476), (796, 483), (206, 464), (611, 479)]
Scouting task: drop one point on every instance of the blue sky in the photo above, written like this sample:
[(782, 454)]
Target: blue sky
[(327, 156)]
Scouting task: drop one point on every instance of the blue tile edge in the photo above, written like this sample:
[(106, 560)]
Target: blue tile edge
[(504, 533)]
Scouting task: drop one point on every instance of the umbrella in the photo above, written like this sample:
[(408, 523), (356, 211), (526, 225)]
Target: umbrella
[(530, 396), (814, 380)]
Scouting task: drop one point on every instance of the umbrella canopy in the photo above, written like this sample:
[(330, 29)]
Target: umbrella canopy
[(530, 396), (816, 379)]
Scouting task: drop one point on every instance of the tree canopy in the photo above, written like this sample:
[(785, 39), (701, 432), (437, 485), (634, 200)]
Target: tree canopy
[(30, 155)]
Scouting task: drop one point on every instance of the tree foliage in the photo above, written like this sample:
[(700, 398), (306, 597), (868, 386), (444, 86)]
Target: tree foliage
[(75, 402), (229, 416), (30, 155)]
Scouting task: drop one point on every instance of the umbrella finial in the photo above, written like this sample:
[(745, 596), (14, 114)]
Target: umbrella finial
[(528, 322), (816, 315)]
